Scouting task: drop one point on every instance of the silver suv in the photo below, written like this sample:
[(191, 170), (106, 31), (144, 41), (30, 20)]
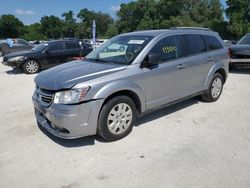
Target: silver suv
[(107, 91)]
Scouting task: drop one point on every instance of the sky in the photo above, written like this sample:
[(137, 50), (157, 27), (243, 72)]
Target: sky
[(31, 11)]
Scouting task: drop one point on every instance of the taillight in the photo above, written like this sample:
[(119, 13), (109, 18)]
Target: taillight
[(229, 53)]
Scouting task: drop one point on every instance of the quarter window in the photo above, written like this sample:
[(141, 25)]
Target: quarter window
[(212, 43), (167, 48), (194, 44)]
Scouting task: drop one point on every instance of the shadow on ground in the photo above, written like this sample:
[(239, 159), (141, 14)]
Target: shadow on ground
[(167, 111), (14, 71), (90, 140)]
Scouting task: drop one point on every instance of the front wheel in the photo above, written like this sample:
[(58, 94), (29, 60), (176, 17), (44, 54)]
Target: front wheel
[(215, 89), (116, 118), (31, 67)]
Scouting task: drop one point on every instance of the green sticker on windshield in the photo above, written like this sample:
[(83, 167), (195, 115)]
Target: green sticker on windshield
[(169, 49)]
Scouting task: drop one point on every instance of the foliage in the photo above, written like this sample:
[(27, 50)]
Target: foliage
[(87, 17), (34, 32), (10, 26), (136, 15), (52, 27), (238, 13)]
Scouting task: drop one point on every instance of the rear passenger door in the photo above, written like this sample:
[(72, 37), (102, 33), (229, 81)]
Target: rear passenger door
[(71, 50), (196, 64), (53, 55)]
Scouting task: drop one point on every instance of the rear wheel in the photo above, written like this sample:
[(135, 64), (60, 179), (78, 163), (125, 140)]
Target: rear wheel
[(117, 118), (215, 88), (31, 67)]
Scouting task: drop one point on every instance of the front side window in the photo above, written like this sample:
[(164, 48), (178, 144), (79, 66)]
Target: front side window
[(194, 44), (120, 49), (212, 43), (55, 47), (167, 48), (245, 40)]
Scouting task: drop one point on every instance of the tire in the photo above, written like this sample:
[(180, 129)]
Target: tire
[(114, 122), (215, 88), (31, 67)]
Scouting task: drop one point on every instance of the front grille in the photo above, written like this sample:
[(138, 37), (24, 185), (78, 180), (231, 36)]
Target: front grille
[(44, 96)]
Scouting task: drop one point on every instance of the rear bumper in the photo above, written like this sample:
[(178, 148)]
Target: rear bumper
[(68, 121), (240, 62)]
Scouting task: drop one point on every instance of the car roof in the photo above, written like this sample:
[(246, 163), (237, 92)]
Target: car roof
[(154, 33)]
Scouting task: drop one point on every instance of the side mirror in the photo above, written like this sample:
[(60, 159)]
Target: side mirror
[(46, 51), (151, 60)]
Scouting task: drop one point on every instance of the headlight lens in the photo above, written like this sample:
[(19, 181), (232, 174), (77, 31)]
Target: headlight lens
[(72, 96), (15, 58)]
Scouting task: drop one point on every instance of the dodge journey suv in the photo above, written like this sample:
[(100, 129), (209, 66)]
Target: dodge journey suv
[(105, 93)]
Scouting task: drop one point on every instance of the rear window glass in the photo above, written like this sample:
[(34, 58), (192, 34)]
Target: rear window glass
[(212, 43), (194, 44)]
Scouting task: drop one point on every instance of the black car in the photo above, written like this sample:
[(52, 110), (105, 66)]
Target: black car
[(18, 45), (240, 53), (46, 55)]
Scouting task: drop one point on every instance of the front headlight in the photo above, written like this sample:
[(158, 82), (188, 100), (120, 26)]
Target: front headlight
[(18, 58), (72, 96)]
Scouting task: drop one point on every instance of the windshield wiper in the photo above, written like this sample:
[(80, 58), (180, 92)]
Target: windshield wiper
[(99, 60)]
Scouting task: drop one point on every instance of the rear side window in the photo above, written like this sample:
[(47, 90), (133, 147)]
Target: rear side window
[(167, 48), (212, 43), (194, 44), (56, 46), (71, 45)]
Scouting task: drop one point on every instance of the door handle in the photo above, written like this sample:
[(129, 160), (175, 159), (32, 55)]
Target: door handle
[(181, 66)]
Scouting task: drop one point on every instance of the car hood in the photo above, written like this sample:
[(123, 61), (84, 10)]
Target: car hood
[(241, 49), (67, 75), (20, 53)]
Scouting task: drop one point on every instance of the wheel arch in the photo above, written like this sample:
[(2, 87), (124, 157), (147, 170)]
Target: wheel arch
[(217, 68), (126, 88)]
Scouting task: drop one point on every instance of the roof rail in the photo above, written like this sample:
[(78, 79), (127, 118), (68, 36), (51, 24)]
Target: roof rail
[(192, 28)]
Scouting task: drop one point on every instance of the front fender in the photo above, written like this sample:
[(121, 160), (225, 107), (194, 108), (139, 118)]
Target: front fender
[(121, 85)]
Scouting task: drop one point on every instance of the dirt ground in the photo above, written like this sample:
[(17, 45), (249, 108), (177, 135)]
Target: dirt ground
[(191, 144)]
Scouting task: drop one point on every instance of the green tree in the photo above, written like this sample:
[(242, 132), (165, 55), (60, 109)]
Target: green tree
[(238, 13), (34, 32), (69, 24), (85, 26), (52, 27), (10, 26)]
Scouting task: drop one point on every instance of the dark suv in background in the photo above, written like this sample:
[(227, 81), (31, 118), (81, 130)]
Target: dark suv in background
[(46, 55)]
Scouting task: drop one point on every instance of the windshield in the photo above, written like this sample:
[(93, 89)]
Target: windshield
[(40, 47), (245, 40), (120, 49)]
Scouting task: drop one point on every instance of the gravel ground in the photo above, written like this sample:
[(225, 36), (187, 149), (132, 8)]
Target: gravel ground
[(191, 144)]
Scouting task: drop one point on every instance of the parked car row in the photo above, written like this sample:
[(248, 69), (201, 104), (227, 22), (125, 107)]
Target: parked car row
[(125, 77), (46, 55)]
